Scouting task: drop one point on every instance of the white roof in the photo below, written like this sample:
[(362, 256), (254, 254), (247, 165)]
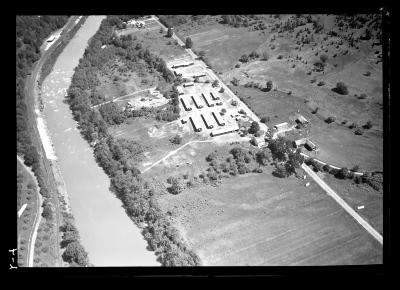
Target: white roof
[(233, 127), (281, 124)]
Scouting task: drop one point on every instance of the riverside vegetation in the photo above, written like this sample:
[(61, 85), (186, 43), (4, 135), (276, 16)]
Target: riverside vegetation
[(118, 157)]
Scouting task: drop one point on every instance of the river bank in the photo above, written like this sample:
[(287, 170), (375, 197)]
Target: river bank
[(107, 234)]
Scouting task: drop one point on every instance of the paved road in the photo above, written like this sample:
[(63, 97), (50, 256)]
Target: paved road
[(38, 217), (343, 204)]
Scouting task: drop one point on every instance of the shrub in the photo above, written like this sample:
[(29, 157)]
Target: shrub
[(353, 125), (264, 120), (342, 173), (189, 42), (362, 96), (326, 168), (244, 58), (356, 168), (235, 81), (315, 110), (330, 120), (344, 122), (367, 74), (176, 140), (222, 90), (359, 131), (341, 88), (279, 57), (254, 128), (237, 65), (280, 171), (321, 83), (212, 156), (265, 56), (323, 57), (368, 125), (269, 85)]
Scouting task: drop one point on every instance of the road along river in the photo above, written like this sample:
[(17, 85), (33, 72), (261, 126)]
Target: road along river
[(107, 233)]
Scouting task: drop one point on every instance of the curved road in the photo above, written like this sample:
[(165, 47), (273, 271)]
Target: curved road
[(38, 217), (343, 204)]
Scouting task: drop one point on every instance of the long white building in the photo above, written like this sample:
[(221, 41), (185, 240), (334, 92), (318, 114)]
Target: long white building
[(197, 101), (225, 130), (207, 120), (196, 123), (218, 118), (186, 105), (206, 97)]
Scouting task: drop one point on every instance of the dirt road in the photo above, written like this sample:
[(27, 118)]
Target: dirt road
[(343, 204), (124, 96), (173, 152), (38, 217)]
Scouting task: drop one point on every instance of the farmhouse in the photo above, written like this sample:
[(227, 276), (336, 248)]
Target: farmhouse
[(226, 130), (207, 99), (207, 121), (195, 123), (197, 101), (186, 105), (281, 126), (219, 119)]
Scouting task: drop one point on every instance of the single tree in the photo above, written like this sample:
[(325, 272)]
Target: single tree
[(265, 55), (269, 85), (170, 32), (189, 42), (215, 83), (341, 88)]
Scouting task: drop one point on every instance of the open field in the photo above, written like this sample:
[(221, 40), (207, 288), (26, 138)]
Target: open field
[(158, 43), (338, 144), (358, 195), (223, 45), (263, 220)]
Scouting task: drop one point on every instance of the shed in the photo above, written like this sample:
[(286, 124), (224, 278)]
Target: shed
[(225, 130), (300, 119)]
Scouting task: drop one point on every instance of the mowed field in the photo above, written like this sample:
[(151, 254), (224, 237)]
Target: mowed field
[(258, 219), (154, 135), (360, 194), (338, 144), (222, 44)]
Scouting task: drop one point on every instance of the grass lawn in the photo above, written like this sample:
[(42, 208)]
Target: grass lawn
[(258, 219)]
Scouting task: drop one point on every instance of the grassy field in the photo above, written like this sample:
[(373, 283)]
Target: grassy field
[(357, 195), (159, 44), (338, 144), (223, 45), (263, 220)]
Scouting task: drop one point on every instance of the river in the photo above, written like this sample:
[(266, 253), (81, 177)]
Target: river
[(107, 233)]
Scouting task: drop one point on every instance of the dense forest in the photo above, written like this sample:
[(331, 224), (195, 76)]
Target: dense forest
[(118, 157), (31, 31)]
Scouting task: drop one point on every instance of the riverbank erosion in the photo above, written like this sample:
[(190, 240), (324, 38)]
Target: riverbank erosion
[(107, 234), (118, 157)]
